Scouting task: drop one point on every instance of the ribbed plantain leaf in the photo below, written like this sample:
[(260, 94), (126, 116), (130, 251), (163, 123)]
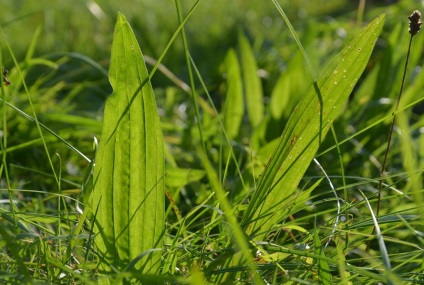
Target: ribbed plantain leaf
[(305, 130), (129, 168)]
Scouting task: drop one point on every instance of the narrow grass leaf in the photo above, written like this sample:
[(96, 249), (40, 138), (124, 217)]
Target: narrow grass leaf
[(129, 168), (32, 119), (244, 257), (381, 244), (252, 83), (411, 161), (13, 246), (341, 259), (305, 130), (324, 274)]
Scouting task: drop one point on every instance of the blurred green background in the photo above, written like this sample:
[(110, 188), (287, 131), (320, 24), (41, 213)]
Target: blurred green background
[(63, 48), (86, 27)]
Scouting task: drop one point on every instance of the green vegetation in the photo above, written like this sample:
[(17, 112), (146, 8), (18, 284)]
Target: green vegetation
[(230, 143)]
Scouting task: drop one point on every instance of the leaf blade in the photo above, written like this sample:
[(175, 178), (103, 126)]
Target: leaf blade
[(129, 169), (252, 83), (305, 130), (234, 105), (324, 274)]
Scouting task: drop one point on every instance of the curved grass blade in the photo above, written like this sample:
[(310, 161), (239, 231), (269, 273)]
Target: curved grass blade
[(382, 245), (305, 130), (25, 115), (129, 168)]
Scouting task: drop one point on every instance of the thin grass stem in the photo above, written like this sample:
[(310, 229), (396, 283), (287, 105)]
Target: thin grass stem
[(414, 27), (389, 140)]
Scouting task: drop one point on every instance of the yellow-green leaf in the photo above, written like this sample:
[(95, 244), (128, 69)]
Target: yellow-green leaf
[(324, 274), (129, 168), (252, 83), (305, 130), (234, 105)]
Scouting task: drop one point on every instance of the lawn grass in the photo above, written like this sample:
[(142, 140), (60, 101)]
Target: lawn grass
[(260, 135)]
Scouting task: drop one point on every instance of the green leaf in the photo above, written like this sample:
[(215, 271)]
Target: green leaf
[(252, 83), (324, 274), (341, 259), (383, 250), (305, 130), (288, 90), (129, 169), (234, 105), (179, 177)]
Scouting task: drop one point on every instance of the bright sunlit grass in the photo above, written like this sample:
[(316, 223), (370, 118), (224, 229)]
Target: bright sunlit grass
[(255, 162)]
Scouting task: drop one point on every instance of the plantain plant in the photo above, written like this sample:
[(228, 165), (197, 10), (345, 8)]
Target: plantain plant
[(128, 195)]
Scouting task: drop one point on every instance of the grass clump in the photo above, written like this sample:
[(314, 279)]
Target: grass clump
[(253, 178)]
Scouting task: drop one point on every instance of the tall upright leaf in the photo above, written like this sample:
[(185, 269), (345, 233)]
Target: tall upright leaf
[(234, 105), (129, 169), (305, 130), (252, 83), (324, 274)]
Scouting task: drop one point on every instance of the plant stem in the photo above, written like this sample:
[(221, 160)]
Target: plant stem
[(389, 140), (414, 28)]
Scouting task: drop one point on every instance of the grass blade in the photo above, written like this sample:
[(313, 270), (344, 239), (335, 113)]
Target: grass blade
[(381, 244), (323, 268), (129, 168)]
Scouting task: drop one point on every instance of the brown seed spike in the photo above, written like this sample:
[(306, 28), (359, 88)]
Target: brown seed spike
[(414, 22), (5, 80)]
